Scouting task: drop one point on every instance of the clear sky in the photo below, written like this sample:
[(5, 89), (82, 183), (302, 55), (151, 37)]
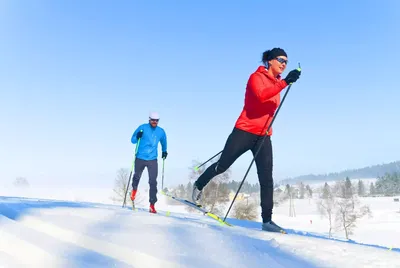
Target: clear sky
[(77, 78)]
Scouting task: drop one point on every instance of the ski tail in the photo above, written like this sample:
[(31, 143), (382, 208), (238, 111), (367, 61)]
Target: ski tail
[(197, 207)]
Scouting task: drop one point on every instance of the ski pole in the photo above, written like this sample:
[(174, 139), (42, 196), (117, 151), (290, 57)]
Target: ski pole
[(197, 167), (133, 164), (259, 147), (162, 180)]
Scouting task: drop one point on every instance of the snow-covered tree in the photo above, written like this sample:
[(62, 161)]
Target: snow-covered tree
[(302, 190), (326, 207), (348, 211), (361, 188), (372, 190)]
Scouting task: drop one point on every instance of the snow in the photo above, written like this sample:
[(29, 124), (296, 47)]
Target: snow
[(381, 229), (40, 231)]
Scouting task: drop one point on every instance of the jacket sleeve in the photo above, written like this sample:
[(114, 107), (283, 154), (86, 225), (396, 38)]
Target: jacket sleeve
[(134, 139), (262, 91), (163, 141)]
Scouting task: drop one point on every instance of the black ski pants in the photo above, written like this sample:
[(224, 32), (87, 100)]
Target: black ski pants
[(152, 168), (238, 143)]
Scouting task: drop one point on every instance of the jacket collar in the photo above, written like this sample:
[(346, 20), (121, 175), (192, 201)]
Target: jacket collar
[(263, 69)]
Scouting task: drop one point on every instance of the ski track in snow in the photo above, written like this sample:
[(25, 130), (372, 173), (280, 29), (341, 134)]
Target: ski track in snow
[(47, 233)]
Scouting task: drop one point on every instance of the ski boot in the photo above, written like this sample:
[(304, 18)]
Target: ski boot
[(272, 227), (152, 209), (196, 194), (133, 195)]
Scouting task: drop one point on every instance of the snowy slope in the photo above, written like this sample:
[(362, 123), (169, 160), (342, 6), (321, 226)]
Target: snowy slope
[(47, 233)]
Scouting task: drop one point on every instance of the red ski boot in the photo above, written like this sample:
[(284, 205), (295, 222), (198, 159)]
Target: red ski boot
[(133, 194), (152, 209)]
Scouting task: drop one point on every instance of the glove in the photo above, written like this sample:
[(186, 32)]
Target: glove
[(139, 134), (164, 155), (292, 76)]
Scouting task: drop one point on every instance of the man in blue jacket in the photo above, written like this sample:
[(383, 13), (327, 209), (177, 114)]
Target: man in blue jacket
[(150, 135)]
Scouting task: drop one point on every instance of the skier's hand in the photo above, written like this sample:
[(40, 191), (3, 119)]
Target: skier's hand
[(292, 76), (164, 155), (139, 134)]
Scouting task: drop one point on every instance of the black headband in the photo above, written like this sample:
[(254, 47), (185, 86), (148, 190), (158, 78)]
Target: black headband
[(274, 53)]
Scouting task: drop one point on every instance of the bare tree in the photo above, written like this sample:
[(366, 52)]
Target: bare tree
[(245, 210), (119, 189), (289, 193), (341, 205), (21, 182), (348, 212), (326, 207)]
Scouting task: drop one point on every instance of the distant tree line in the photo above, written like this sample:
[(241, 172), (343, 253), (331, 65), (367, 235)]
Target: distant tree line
[(387, 185), (373, 171)]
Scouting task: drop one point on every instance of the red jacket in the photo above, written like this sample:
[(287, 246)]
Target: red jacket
[(262, 98)]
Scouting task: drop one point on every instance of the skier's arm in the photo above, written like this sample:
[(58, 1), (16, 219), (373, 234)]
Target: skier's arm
[(134, 139), (264, 91), (163, 141)]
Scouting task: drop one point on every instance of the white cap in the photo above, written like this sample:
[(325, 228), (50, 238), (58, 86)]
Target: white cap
[(154, 115)]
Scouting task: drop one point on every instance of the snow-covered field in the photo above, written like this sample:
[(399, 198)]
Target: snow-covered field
[(382, 228), (45, 233)]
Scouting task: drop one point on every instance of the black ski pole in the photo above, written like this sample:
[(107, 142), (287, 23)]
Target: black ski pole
[(197, 167), (162, 181), (259, 147), (130, 175)]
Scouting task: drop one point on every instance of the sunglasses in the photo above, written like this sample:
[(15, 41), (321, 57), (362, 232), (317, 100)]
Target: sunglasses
[(282, 60), (154, 120)]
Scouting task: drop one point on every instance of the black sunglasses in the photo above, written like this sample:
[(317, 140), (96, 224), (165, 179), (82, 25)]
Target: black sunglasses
[(282, 60), (154, 120)]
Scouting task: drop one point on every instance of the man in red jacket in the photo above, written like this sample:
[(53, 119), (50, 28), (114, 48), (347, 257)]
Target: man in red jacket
[(262, 98)]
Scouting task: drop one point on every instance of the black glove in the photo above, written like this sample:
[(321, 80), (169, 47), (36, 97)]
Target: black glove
[(292, 76), (139, 134), (164, 155)]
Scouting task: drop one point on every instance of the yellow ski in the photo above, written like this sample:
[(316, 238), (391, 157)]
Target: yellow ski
[(197, 207)]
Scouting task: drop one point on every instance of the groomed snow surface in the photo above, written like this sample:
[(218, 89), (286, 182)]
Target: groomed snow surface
[(48, 233)]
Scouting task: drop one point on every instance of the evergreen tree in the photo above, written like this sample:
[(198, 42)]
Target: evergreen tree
[(361, 188), (372, 190), (309, 191), (348, 189), (326, 191), (302, 190)]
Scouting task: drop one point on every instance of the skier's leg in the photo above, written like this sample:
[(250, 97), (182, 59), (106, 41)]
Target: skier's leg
[(152, 168), (264, 164), (237, 144), (139, 167)]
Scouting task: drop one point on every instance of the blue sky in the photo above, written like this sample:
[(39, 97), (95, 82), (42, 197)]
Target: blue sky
[(77, 77)]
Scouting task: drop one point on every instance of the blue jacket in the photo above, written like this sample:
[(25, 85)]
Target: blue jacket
[(148, 146)]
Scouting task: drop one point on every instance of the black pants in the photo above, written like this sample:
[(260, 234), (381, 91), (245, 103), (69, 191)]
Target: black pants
[(152, 168), (238, 143)]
